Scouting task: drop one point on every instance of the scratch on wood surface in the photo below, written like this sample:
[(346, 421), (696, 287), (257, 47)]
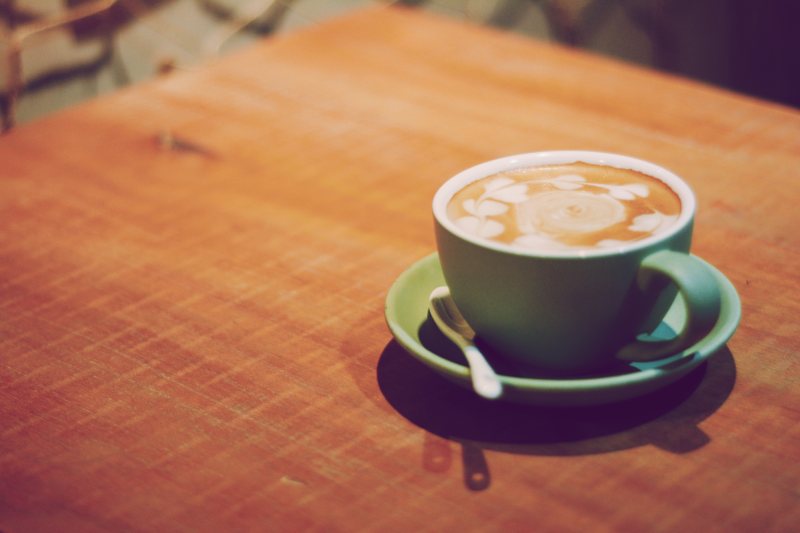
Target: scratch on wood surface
[(289, 480), (167, 140)]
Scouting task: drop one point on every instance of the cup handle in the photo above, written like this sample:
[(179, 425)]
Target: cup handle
[(700, 292)]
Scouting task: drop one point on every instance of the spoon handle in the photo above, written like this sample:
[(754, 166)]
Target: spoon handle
[(484, 380)]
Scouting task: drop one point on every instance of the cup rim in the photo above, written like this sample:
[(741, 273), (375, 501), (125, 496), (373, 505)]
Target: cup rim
[(458, 181)]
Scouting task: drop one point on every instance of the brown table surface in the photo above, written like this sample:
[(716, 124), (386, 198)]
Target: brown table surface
[(192, 284)]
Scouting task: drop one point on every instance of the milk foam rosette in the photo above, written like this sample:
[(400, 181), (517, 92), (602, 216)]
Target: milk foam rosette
[(546, 211)]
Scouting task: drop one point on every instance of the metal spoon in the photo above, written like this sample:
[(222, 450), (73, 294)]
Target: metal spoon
[(449, 320)]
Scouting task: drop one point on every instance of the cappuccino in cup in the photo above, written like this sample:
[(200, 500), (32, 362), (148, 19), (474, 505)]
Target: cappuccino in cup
[(565, 261), (574, 206)]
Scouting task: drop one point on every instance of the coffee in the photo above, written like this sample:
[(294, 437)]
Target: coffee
[(574, 206)]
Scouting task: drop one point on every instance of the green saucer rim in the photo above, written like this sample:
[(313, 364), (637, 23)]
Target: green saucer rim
[(428, 268)]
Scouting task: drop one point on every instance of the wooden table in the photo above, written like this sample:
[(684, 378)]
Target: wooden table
[(193, 274)]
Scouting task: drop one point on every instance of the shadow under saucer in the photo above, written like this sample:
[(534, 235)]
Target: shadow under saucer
[(666, 418)]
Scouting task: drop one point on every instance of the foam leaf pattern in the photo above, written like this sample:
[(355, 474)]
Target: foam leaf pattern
[(498, 183), (488, 208), (567, 185), (573, 178), (638, 189), (469, 224), (470, 207), (513, 195), (491, 228), (482, 228), (646, 223), (621, 193)]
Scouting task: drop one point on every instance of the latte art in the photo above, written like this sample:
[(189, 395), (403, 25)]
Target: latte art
[(563, 207), (568, 212)]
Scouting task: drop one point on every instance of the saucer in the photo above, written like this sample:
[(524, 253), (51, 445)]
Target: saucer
[(408, 319)]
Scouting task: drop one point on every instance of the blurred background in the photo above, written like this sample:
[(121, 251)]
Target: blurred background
[(55, 53)]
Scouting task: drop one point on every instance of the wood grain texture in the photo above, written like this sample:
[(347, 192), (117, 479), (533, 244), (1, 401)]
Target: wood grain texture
[(193, 274)]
